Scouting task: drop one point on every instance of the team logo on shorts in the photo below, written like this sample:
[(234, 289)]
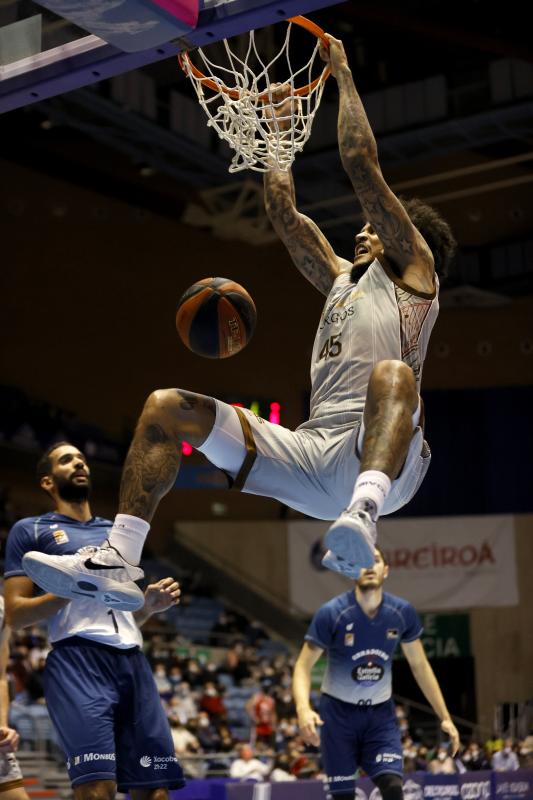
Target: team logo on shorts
[(145, 761), (60, 537)]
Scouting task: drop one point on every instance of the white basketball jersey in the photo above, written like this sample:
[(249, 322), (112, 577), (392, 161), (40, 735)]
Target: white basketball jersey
[(94, 621), (375, 319)]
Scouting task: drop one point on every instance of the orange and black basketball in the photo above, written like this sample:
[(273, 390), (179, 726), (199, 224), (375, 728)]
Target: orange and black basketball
[(215, 318)]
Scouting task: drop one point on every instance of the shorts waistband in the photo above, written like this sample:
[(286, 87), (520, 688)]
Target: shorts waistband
[(364, 704), (81, 641)]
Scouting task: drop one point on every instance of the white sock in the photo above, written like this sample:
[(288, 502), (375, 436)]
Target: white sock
[(127, 536), (371, 489)]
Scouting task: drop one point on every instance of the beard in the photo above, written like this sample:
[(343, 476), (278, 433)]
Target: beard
[(358, 270), (368, 586), (72, 493)]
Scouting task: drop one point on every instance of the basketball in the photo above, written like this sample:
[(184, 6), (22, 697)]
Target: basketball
[(216, 318)]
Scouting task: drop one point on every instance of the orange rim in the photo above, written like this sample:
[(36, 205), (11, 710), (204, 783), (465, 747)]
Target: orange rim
[(186, 63)]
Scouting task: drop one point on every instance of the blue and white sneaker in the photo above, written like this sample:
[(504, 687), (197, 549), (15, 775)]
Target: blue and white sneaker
[(97, 573), (352, 538)]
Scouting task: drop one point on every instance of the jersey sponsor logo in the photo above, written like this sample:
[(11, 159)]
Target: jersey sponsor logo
[(363, 653), (336, 317), (392, 633), (349, 639), (145, 761), (368, 673), (60, 537)]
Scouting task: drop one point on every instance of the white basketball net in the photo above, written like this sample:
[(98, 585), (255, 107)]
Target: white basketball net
[(246, 123)]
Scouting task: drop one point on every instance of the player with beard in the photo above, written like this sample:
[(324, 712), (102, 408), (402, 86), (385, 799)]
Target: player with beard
[(357, 726), (362, 451), (98, 685)]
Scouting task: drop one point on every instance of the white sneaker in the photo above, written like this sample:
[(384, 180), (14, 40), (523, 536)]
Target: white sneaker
[(352, 537), (99, 573), (336, 564)]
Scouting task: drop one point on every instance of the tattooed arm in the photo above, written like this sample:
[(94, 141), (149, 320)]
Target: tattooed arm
[(404, 246), (307, 245)]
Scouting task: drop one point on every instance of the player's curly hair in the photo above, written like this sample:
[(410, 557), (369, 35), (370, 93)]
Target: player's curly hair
[(435, 231)]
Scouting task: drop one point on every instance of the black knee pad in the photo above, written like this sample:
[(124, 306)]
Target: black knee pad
[(343, 795), (390, 786)]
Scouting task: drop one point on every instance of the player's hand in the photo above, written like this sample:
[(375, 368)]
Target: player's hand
[(281, 108), (449, 728), (9, 740), (308, 722), (335, 56), (161, 595)]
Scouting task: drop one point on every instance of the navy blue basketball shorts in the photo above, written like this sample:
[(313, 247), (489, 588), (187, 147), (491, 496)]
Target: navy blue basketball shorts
[(356, 736), (108, 714)]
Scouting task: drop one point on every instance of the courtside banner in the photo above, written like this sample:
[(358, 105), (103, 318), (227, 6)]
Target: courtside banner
[(435, 562)]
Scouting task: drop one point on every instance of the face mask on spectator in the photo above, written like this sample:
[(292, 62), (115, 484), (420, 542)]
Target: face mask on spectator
[(441, 756), (211, 692), (506, 750)]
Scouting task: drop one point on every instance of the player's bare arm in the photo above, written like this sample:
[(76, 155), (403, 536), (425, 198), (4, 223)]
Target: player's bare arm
[(23, 609), (309, 249), (425, 677), (308, 719), (403, 245)]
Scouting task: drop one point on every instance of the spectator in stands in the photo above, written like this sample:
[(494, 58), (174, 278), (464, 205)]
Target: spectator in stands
[(206, 732), (262, 711), (494, 744), (505, 760), (194, 673), (442, 763), (280, 771), (474, 758), (211, 701), (236, 665), (227, 741), (284, 702), (246, 767), (186, 743), (164, 687), (182, 705), (421, 760), (175, 676)]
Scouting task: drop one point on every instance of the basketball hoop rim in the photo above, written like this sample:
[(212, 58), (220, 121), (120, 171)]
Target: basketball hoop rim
[(185, 62)]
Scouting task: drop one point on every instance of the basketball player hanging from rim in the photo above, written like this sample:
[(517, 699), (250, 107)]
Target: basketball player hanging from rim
[(362, 452)]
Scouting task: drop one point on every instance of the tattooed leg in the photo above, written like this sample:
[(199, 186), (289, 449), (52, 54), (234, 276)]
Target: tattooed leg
[(391, 400), (169, 417)]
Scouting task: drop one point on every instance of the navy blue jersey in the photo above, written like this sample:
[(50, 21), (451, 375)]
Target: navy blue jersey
[(57, 534), (360, 648)]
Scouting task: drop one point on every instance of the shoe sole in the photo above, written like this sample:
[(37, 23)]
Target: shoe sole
[(71, 586), (351, 545), (341, 567)]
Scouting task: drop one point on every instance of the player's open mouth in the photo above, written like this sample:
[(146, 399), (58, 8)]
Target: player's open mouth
[(361, 249)]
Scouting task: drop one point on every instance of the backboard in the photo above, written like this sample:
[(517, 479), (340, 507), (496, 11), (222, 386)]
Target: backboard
[(56, 46)]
